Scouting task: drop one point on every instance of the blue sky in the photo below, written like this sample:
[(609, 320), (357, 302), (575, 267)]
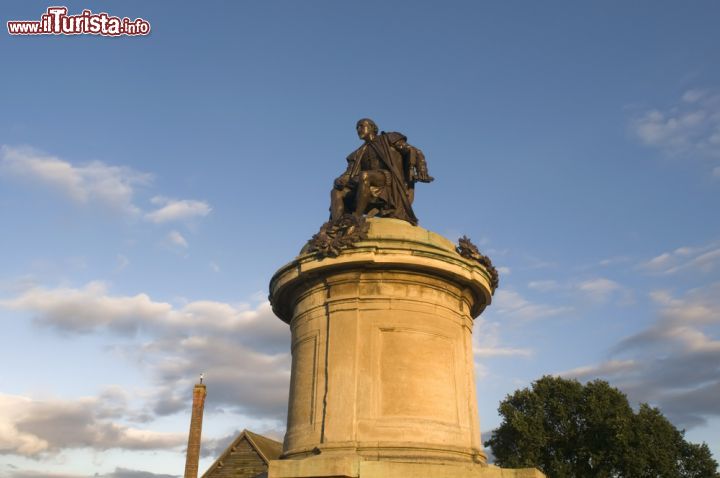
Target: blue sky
[(150, 186)]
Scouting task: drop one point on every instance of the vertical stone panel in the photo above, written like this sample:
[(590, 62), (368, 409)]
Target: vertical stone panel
[(409, 387), (303, 382)]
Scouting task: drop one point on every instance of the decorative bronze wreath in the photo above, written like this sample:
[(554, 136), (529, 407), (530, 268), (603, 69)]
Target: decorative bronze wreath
[(469, 250), (334, 236)]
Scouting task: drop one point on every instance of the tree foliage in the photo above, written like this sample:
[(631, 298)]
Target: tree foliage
[(570, 430)]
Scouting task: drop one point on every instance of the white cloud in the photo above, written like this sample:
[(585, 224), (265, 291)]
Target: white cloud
[(121, 472), (674, 362), (13, 440), (501, 352), (86, 183), (118, 473), (177, 210), (543, 285), (606, 368), (235, 344), (599, 289), (244, 377), (596, 289), (511, 304), (690, 127), (701, 307), (696, 259), (32, 427), (176, 238), (486, 341), (25, 473), (83, 310), (90, 308), (692, 96), (613, 261), (659, 262), (97, 183)]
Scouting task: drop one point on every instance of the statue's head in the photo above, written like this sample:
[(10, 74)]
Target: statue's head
[(366, 128)]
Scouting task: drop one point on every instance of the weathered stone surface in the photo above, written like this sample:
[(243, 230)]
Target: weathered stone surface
[(356, 467), (382, 374)]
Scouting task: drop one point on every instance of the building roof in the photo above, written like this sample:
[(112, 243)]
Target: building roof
[(266, 448)]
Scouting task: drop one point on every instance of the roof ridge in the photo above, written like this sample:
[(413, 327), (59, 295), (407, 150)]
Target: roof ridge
[(251, 439), (226, 452), (255, 440)]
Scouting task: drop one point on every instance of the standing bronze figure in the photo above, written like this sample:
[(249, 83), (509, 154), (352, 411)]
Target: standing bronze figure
[(380, 177)]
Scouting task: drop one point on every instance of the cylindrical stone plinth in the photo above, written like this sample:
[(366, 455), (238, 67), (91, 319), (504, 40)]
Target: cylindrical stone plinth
[(382, 360)]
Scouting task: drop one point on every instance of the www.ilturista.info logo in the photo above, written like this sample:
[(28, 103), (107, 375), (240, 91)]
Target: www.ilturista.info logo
[(56, 21)]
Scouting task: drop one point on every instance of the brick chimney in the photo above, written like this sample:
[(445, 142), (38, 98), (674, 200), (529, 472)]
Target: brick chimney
[(193, 448)]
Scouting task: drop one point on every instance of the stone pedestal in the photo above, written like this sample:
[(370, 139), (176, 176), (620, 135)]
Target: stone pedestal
[(382, 364)]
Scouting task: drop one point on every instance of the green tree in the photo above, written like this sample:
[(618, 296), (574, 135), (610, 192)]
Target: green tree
[(571, 430)]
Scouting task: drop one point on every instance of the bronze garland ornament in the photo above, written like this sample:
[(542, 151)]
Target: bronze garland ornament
[(336, 235), (469, 250)]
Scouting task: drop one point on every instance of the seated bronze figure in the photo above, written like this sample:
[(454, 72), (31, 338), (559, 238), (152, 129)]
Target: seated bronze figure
[(380, 177)]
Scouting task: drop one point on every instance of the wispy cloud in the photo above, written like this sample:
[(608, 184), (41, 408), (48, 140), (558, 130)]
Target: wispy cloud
[(689, 127), (675, 362), (89, 308), (234, 343), (118, 473), (97, 183), (501, 352), (92, 308), (34, 427), (544, 285), (486, 342), (171, 210), (230, 364), (598, 289), (87, 183), (130, 473), (510, 304), (122, 263), (696, 258), (593, 289), (610, 261), (177, 239), (606, 368)]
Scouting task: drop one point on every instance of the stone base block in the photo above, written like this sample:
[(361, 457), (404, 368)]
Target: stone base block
[(357, 467)]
